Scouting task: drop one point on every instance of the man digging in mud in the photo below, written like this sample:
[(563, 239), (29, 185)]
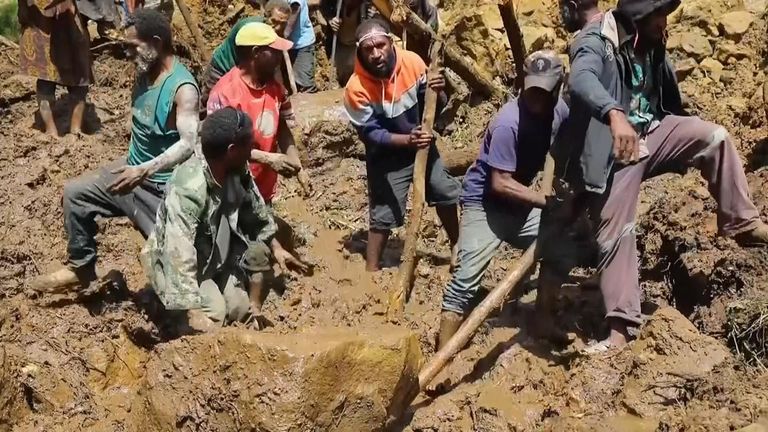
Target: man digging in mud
[(498, 204), (210, 251), (163, 134), (384, 100), (627, 125), (252, 88)]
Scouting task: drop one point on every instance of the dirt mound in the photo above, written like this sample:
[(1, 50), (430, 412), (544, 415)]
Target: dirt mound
[(316, 380)]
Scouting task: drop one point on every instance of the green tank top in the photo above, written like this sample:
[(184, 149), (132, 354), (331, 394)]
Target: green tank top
[(151, 106)]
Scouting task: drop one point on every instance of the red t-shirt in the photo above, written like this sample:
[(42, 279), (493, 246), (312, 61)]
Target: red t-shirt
[(264, 106)]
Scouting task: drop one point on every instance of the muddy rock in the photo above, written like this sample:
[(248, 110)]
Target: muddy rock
[(319, 380), (693, 43), (683, 68), (735, 24), (728, 52), (668, 355), (537, 38), (713, 68)]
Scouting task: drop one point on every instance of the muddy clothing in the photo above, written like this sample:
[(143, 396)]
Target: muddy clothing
[(676, 144), (86, 197), (389, 178), (54, 44), (515, 142), (379, 108), (151, 108), (207, 231), (265, 106), (481, 233), (600, 81)]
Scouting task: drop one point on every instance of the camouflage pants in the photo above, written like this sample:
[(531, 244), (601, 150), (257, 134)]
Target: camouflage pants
[(225, 295)]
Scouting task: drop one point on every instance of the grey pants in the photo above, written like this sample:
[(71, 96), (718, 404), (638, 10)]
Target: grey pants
[(303, 60), (86, 197), (481, 233), (677, 144)]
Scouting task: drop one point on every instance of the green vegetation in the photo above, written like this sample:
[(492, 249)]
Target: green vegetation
[(9, 24)]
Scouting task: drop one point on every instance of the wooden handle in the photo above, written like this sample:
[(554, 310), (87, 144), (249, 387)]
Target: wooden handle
[(336, 34), (194, 29), (289, 72), (404, 280), (491, 302)]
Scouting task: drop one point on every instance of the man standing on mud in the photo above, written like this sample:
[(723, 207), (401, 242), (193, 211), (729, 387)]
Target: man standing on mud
[(384, 100), (353, 12), (251, 87), (163, 134), (627, 125), (55, 48), (498, 204), (214, 240)]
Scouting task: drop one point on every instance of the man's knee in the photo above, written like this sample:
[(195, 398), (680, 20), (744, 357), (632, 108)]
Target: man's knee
[(213, 304), (75, 190)]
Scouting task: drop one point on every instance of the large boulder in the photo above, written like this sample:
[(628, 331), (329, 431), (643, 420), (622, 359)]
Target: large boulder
[(238, 379)]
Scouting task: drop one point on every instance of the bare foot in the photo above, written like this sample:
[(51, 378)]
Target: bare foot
[(543, 327)]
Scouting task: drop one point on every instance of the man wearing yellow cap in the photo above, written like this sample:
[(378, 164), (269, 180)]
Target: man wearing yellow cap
[(251, 87)]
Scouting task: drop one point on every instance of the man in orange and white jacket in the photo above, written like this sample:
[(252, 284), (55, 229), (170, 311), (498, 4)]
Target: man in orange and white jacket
[(384, 100)]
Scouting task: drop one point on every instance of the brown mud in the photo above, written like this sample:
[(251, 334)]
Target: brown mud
[(78, 365)]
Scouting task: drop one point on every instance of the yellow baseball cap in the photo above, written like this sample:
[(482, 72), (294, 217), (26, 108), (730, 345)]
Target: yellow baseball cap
[(260, 34)]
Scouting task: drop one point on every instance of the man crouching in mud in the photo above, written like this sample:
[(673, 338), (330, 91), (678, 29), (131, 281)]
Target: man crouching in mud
[(211, 250), (627, 125)]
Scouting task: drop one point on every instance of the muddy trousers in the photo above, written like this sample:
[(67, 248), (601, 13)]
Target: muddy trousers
[(86, 198), (676, 144), (482, 231)]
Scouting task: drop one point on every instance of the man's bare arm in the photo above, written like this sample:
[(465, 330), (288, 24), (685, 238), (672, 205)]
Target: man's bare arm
[(505, 186), (287, 142), (186, 101), (187, 118), (292, 20)]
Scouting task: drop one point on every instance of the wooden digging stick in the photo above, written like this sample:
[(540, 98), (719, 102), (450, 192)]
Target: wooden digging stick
[(404, 280), (493, 301), (336, 34), (289, 72), (515, 37), (194, 29)]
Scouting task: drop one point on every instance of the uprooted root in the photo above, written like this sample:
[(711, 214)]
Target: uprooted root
[(748, 330)]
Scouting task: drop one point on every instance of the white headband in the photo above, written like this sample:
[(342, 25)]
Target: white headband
[(372, 34)]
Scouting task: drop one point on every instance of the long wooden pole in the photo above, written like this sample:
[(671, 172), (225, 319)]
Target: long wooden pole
[(289, 72), (454, 57), (493, 301), (336, 33), (515, 37), (194, 28), (405, 274)]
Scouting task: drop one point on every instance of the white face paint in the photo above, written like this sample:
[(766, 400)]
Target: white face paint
[(145, 57)]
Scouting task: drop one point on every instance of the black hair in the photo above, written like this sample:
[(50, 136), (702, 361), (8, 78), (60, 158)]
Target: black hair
[(149, 24), (586, 4), (277, 4), (221, 129), (366, 26)]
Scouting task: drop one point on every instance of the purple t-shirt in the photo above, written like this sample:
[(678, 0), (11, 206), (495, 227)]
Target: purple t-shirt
[(516, 141)]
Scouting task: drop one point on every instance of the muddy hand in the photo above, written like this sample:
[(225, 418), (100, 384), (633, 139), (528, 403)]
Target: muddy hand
[(306, 183), (335, 24), (436, 81), (626, 143), (129, 178), (419, 138), (284, 165), (286, 261)]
